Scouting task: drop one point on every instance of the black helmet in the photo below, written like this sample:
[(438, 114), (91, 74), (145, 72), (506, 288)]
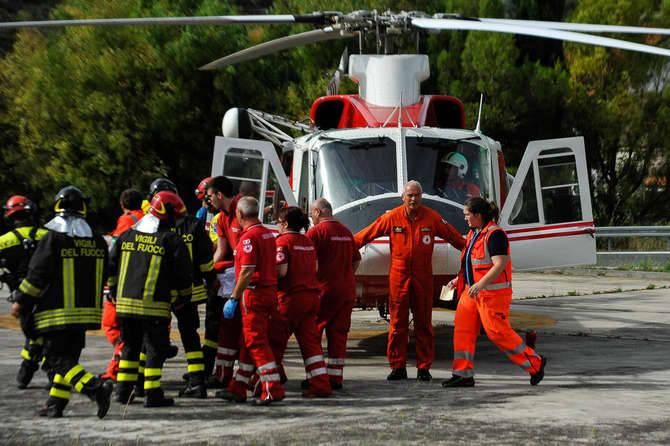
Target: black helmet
[(71, 201), (161, 184)]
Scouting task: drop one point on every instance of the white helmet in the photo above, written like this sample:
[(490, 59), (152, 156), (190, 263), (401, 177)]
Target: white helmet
[(457, 160)]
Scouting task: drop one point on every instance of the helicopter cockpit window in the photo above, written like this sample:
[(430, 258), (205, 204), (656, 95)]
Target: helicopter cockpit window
[(455, 170), (352, 169)]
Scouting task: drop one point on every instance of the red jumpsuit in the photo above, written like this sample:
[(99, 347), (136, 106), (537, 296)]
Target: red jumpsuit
[(230, 330), (256, 248), (299, 305), (336, 252), (411, 277), (490, 308), (110, 327)]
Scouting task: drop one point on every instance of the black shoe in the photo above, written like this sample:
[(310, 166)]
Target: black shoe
[(156, 398), (103, 397), (537, 377), (26, 372), (50, 411), (229, 396), (459, 381), (125, 397), (171, 351), (423, 375), (186, 377), (214, 383), (335, 386), (304, 384), (397, 374), (194, 391)]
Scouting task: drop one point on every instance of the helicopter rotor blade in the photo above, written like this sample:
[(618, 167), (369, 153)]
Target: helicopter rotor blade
[(283, 43), (316, 18), (582, 27), (476, 25)]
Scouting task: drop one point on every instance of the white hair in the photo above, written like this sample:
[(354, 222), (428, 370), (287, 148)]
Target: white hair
[(248, 207), (413, 183)]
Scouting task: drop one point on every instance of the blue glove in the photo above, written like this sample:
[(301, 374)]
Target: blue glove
[(229, 308)]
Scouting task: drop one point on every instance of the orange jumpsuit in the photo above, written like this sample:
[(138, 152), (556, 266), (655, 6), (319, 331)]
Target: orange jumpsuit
[(411, 277), (490, 308)]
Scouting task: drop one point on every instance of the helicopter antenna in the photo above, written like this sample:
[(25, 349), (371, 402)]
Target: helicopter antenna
[(479, 116)]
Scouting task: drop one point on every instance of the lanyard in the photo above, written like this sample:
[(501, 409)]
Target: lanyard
[(468, 261)]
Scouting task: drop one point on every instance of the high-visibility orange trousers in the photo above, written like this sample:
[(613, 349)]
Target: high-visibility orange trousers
[(407, 291), (334, 317), (298, 313), (493, 313), (112, 331)]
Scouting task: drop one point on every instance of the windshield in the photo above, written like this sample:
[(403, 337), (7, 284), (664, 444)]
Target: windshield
[(455, 170), (349, 170)]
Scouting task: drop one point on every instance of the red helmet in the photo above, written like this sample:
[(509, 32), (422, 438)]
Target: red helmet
[(166, 204), (200, 191), (18, 203)]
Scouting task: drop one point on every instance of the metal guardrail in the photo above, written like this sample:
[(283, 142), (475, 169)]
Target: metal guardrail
[(610, 232)]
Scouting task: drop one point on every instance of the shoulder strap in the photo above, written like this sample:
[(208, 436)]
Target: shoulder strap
[(135, 220), (18, 235), (33, 233)]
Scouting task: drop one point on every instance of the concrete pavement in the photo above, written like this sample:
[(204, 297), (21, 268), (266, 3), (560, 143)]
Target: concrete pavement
[(608, 382)]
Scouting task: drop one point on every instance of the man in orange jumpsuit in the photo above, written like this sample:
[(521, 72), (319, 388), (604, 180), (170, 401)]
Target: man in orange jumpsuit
[(411, 229)]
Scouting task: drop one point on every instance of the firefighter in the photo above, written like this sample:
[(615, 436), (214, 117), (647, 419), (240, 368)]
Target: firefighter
[(411, 229), (64, 287), (256, 286), (205, 284), (221, 196), (131, 204), (16, 248), (486, 280), (338, 260), (299, 298), (149, 264)]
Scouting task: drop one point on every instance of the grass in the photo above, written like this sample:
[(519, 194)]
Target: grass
[(645, 265)]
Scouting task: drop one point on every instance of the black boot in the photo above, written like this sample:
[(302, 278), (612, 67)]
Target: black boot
[(26, 372), (124, 393), (459, 381), (423, 375), (103, 397), (209, 357), (397, 374), (171, 352), (537, 377), (156, 398), (53, 408)]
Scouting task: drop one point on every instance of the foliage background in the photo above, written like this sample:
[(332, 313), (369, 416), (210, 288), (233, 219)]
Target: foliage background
[(115, 107)]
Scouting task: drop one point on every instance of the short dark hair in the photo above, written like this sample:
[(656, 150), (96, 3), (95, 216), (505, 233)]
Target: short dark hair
[(131, 199), (295, 218), (221, 184)]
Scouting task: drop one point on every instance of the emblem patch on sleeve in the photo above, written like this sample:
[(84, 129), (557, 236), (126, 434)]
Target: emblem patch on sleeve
[(398, 229)]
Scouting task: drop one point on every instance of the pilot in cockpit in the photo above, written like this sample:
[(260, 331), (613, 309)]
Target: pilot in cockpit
[(452, 184)]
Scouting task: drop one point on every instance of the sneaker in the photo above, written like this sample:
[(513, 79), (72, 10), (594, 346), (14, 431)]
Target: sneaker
[(397, 374), (423, 375), (227, 395), (103, 397), (25, 375), (537, 377), (196, 391), (459, 381)]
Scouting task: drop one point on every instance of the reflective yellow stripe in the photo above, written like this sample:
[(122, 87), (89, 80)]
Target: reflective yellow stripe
[(25, 354), (58, 393), (152, 278), (58, 379), (84, 380), (123, 269), (192, 368), (194, 355), (212, 344), (124, 364), (189, 245), (38, 341), (184, 292), (66, 316), (198, 293), (152, 384), (126, 305), (126, 377), (72, 373), (29, 288), (99, 274), (152, 372), (206, 267), (68, 282), (143, 356)]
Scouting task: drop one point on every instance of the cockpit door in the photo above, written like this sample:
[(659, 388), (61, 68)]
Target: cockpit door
[(547, 214), (254, 168)]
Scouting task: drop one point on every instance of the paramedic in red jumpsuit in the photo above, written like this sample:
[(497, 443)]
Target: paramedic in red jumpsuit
[(411, 229)]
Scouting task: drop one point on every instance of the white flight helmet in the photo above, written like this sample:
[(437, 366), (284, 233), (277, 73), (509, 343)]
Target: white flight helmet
[(457, 160)]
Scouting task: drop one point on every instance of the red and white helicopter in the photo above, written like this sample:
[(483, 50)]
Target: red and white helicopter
[(359, 150)]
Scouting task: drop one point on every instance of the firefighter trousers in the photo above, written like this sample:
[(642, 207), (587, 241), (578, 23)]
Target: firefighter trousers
[(188, 322), (493, 313), (258, 308), (298, 316), (410, 292), (334, 317), (213, 312)]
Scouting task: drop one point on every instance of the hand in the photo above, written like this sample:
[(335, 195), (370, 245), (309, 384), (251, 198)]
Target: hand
[(452, 283), (474, 290), (229, 308), (16, 310)]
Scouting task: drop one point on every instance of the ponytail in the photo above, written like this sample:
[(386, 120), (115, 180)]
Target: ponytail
[(487, 209)]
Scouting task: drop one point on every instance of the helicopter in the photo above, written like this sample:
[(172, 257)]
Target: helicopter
[(358, 151)]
